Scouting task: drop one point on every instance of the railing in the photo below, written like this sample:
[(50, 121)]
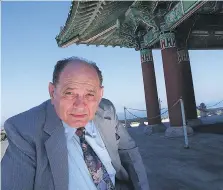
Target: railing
[(126, 109), (159, 115), (201, 109)]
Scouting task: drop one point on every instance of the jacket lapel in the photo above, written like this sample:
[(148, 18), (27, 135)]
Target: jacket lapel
[(107, 133), (56, 148)]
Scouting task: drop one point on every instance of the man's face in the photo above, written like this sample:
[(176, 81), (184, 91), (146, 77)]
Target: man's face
[(77, 95)]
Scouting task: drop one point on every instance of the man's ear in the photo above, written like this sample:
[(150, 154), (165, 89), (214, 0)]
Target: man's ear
[(51, 89), (101, 93)]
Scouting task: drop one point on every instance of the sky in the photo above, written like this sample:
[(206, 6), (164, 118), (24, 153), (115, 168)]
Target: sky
[(29, 52)]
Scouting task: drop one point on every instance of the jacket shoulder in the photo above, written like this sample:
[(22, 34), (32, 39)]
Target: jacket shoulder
[(27, 122), (106, 105)]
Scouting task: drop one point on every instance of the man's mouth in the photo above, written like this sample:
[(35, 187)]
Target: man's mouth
[(79, 115)]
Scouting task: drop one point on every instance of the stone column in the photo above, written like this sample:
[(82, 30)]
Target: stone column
[(188, 88), (173, 82), (150, 88), (172, 77)]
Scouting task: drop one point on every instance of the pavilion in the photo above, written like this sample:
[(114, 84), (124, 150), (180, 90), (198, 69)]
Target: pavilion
[(174, 27)]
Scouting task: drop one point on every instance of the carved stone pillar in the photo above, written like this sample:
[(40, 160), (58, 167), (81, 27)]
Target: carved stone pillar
[(187, 84), (172, 77), (174, 84), (187, 88), (150, 88)]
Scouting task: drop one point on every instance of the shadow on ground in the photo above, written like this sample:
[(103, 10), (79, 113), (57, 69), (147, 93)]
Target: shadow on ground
[(216, 128), (171, 167)]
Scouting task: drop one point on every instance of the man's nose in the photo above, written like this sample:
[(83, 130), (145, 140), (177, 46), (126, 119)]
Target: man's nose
[(79, 101)]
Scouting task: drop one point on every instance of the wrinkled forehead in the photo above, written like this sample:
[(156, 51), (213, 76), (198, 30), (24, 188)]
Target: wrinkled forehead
[(79, 72)]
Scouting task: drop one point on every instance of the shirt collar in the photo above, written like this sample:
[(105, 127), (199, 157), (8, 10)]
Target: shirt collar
[(70, 131)]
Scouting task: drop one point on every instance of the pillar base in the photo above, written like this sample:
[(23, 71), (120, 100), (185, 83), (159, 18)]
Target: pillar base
[(157, 128), (177, 131), (194, 122)]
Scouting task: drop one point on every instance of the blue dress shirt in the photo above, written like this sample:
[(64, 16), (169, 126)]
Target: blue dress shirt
[(79, 176)]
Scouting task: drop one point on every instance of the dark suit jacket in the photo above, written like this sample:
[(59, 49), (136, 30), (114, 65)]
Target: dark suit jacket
[(36, 157)]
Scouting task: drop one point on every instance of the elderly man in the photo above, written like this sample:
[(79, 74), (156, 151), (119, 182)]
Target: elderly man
[(73, 141)]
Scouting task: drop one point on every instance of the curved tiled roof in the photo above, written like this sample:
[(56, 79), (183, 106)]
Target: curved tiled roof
[(138, 24)]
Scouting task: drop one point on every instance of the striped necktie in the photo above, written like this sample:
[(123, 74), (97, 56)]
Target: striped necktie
[(96, 168)]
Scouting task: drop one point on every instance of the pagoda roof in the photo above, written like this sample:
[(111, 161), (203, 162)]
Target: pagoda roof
[(138, 24), (93, 22)]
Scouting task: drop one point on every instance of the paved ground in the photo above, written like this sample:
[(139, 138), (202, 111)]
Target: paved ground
[(171, 167)]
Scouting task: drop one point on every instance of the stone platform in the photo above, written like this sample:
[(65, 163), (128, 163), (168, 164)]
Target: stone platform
[(171, 167)]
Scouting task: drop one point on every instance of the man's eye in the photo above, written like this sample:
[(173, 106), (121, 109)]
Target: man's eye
[(68, 93), (90, 94)]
